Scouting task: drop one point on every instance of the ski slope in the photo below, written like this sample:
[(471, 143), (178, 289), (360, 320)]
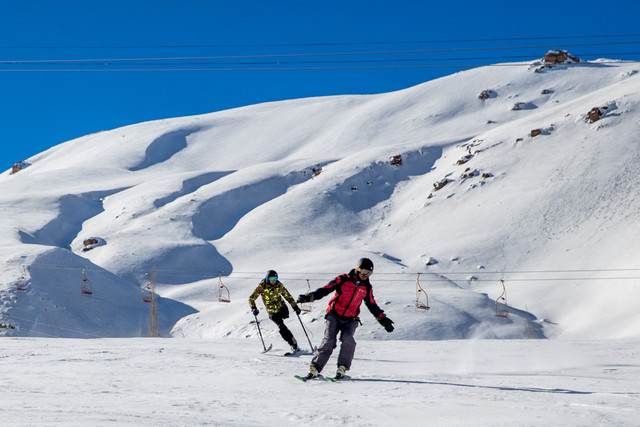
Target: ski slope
[(307, 187), (177, 382)]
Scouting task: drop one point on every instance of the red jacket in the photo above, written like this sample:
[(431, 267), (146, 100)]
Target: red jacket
[(350, 292)]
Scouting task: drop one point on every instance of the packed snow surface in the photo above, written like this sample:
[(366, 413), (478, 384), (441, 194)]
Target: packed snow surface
[(178, 382)]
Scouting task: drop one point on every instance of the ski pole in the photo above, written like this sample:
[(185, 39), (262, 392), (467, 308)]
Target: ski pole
[(260, 333), (305, 332)]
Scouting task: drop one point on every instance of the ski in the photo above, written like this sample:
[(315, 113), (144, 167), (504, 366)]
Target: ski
[(305, 379), (335, 380), (298, 352), (267, 349)]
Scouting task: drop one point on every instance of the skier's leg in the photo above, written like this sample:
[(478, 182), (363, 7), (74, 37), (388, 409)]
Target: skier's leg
[(285, 333), (348, 344), (329, 341)]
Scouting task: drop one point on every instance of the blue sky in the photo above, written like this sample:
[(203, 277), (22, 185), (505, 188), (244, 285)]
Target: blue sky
[(41, 109)]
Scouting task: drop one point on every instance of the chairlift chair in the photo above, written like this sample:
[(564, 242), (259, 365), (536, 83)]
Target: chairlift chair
[(502, 309), (420, 305), (306, 307), (147, 291), (223, 292), (21, 283), (147, 295), (87, 287)]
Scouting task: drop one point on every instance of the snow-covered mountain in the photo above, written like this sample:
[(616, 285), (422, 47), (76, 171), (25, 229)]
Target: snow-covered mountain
[(435, 183)]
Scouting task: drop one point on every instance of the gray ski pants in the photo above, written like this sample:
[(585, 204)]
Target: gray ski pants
[(333, 326)]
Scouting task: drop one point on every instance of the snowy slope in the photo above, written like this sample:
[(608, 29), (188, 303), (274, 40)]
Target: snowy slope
[(237, 192), (226, 382)]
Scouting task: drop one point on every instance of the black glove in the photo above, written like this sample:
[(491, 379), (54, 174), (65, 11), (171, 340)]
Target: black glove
[(386, 323), (297, 310), (305, 298), (255, 311)]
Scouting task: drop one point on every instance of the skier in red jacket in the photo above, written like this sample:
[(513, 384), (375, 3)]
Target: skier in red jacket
[(342, 316)]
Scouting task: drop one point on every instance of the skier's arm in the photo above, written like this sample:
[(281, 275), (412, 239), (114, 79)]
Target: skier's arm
[(378, 313), (375, 309), (321, 292), (287, 295), (373, 306), (252, 298)]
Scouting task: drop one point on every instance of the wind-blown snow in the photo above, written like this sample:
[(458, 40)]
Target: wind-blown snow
[(223, 197)]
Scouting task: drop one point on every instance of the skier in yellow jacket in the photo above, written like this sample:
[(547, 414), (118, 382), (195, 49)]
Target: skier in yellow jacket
[(272, 292)]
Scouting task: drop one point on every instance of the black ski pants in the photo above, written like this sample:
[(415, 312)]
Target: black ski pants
[(278, 319)]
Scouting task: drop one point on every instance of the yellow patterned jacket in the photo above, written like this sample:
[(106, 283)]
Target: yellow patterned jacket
[(271, 296)]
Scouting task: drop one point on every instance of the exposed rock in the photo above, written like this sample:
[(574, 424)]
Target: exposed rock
[(597, 113), (486, 94), (396, 160), (535, 132), (468, 173), (440, 184), (18, 166), (89, 242), (313, 170), (520, 106), (559, 57), (464, 159), (594, 115), (92, 243)]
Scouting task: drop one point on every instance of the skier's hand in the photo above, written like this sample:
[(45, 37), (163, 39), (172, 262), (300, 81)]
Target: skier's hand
[(305, 298), (297, 309), (255, 311), (386, 323)]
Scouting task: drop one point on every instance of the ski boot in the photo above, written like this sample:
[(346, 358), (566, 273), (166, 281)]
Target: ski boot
[(313, 373), (341, 372)]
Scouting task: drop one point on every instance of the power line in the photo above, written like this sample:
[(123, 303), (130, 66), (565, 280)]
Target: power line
[(292, 55), (136, 70), (217, 272), (132, 61), (283, 62), (447, 276), (358, 61), (354, 43)]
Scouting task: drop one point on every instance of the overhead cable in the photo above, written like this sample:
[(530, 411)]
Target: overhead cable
[(352, 43), (292, 55)]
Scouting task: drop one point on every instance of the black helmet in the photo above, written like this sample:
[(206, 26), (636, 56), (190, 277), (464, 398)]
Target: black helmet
[(271, 273), (365, 264)]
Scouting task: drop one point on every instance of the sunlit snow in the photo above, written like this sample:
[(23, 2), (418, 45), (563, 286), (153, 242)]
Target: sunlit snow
[(450, 195)]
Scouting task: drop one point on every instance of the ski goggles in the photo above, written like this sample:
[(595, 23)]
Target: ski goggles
[(365, 272), (274, 278)]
